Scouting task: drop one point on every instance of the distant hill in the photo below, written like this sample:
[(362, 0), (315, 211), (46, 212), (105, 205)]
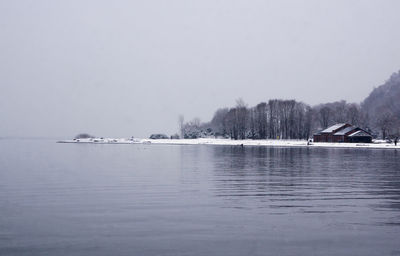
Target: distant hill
[(383, 106)]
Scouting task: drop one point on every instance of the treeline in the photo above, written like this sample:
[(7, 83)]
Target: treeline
[(275, 119), (290, 119), (286, 119)]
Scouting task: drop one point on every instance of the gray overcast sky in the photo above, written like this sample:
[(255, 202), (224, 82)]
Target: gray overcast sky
[(122, 68)]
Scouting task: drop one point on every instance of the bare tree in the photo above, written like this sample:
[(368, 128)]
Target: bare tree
[(388, 123), (181, 120), (324, 116), (230, 121), (252, 126), (241, 118), (218, 122), (353, 114), (273, 118), (339, 111), (261, 116)]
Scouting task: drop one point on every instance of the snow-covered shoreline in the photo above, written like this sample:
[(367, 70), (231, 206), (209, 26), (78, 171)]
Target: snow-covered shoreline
[(228, 142)]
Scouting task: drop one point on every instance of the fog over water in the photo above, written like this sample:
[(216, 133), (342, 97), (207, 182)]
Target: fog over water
[(123, 68)]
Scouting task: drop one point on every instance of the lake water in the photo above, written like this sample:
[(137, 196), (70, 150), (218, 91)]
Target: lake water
[(83, 199)]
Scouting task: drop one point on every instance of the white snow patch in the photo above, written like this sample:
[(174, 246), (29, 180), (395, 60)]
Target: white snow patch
[(228, 142)]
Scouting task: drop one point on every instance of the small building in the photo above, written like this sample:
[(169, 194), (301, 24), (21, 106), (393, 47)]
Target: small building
[(360, 136), (327, 134), (343, 133)]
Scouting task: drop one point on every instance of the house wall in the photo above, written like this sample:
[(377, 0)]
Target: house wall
[(363, 139), (341, 138), (320, 138), (338, 138)]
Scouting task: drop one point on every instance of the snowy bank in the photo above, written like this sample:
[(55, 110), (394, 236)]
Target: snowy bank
[(276, 143), (228, 142)]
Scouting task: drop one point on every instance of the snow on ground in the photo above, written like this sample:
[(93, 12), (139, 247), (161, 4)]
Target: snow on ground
[(213, 141)]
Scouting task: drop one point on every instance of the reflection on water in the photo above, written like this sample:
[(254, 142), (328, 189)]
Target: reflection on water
[(289, 180), (59, 199)]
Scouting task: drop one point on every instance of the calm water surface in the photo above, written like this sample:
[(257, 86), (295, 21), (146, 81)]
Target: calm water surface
[(68, 199)]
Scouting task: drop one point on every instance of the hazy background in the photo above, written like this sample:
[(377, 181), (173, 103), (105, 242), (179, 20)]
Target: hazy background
[(123, 68)]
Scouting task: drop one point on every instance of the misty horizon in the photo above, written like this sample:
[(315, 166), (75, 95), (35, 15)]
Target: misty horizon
[(130, 68)]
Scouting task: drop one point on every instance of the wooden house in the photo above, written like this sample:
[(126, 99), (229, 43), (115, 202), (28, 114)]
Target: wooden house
[(343, 133)]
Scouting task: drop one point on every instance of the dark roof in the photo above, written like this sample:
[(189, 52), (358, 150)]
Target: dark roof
[(360, 133), (333, 128), (345, 130)]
